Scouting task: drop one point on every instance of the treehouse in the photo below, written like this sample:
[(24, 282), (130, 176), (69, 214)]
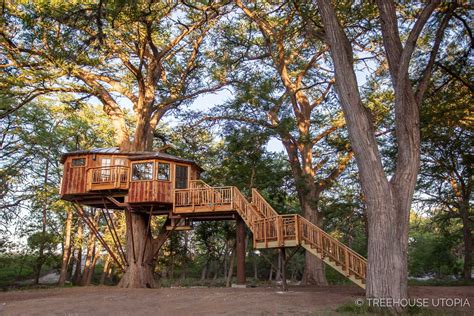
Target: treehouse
[(161, 184), (115, 178)]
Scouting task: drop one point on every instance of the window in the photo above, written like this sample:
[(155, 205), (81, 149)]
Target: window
[(142, 171), (163, 171), (105, 170), (79, 162), (181, 177), (119, 162)]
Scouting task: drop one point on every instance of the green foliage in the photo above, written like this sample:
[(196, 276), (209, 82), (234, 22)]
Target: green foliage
[(431, 249)]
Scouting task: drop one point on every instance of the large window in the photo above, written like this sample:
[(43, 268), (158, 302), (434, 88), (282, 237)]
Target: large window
[(181, 177), (163, 171), (142, 171)]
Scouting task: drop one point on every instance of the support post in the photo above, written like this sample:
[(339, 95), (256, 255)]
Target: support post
[(282, 257), (240, 250)]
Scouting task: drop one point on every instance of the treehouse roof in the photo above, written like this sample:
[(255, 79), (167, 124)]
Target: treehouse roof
[(133, 155)]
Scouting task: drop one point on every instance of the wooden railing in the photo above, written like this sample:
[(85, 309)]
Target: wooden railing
[(262, 205), (349, 260), (110, 177), (198, 184), (245, 209), (273, 230), (277, 229), (203, 196)]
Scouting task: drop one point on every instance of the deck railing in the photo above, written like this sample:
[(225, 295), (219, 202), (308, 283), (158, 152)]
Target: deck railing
[(277, 229), (203, 196), (110, 177)]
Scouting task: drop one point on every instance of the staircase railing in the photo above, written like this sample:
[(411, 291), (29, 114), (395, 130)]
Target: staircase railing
[(350, 261), (197, 184), (245, 209), (262, 205), (274, 230)]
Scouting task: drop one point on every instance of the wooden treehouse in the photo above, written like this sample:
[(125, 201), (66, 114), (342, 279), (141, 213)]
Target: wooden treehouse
[(162, 184)]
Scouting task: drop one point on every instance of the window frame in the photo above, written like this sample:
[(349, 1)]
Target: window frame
[(142, 162), (158, 169), (78, 158), (188, 176)]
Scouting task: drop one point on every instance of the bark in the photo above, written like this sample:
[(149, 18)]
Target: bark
[(67, 249), (140, 252), (77, 271), (89, 257), (91, 272), (388, 202), (105, 271), (230, 271)]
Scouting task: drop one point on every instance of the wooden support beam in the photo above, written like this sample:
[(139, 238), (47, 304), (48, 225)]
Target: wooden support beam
[(240, 250)]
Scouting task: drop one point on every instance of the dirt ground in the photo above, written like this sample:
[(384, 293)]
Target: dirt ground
[(200, 301)]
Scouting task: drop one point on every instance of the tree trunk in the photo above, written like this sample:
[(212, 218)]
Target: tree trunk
[(77, 272), (230, 271), (91, 271), (89, 257), (105, 270), (67, 249), (314, 269), (139, 272)]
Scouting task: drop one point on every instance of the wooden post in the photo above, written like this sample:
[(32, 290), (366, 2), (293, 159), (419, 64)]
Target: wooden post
[(282, 257), (240, 250)]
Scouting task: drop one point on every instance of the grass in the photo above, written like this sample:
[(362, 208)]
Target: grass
[(441, 282)]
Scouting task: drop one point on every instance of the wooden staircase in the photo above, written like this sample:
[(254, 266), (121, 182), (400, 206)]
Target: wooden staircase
[(270, 229)]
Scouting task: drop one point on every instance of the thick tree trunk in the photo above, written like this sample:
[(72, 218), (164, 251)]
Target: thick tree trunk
[(139, 272), (67, 249)]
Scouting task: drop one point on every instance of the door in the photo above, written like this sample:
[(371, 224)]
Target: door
[(181, 178)]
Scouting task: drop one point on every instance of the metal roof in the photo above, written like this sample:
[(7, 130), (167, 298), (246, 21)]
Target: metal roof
[(134, 155)]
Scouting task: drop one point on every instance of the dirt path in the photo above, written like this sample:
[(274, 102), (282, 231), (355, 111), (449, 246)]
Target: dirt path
[(197, 301)]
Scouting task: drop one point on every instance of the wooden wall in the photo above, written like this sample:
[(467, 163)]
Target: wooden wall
[(155, 191), (150, 191), (74, 178)]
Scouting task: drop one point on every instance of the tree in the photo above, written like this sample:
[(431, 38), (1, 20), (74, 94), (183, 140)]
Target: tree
[(283, 86), (446, 180), (149, 54), (388, 197)]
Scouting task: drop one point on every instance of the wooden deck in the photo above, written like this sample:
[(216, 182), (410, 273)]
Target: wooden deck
[(271, 230)]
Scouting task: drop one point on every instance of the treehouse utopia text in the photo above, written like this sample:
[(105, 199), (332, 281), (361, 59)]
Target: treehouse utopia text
[(388, 302)]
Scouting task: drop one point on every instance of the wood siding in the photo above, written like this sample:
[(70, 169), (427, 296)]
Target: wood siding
[(150, 191), (74, 181), (74, 178)]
